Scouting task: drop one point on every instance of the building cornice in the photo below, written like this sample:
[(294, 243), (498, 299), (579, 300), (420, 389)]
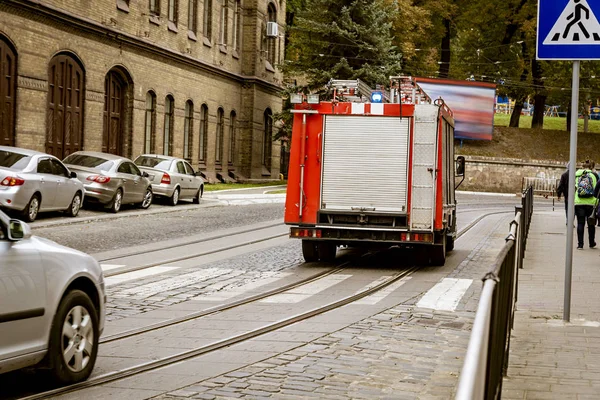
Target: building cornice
[(90, 26)]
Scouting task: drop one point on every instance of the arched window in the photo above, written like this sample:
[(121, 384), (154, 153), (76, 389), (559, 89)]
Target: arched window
[(188, 130), (220, 129), (207, 25), (8, 92), (203, 139), (232, 118), (272, 41), (66, 97), (169, 122), (267, 139), (150, 125), (224, 24), (237, 25)]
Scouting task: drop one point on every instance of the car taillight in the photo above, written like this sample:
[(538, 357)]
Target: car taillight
[(12, 181), (165, 179), (98, 178)]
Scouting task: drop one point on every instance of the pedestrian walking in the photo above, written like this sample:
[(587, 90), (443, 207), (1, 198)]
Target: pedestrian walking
[(586, 197), (563, 190)]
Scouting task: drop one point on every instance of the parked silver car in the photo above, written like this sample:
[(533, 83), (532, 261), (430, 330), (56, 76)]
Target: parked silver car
[(172, 177), (32, 182), (52, 305), (111, 180)]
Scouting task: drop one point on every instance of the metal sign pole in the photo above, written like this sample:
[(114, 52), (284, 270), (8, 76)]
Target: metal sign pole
[(571, 190)]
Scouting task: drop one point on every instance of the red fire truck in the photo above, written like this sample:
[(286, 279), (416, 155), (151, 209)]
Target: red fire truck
[(373, 174)]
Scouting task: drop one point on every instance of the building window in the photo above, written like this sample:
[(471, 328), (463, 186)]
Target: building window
[(172, 12), (192, 16), (203, 140), (187, 130), (231, 137), (8, 92), (150, 126), (154, 7), (271, 41), (220, 129), (207, 27), (224, 25), (267, 139), (169, 120), (237, 25)]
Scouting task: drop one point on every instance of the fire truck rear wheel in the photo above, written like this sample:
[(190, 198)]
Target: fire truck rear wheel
[(327, 251), (310, 251), (449, 243)]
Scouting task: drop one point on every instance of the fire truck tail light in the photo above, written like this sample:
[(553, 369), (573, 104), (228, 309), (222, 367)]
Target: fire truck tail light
[(305, 233), (422, 237)]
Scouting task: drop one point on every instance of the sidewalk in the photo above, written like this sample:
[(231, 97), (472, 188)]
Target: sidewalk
[(550, 359)]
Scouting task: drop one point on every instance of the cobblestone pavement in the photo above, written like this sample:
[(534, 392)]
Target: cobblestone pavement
[(405, 352), (126, 299)]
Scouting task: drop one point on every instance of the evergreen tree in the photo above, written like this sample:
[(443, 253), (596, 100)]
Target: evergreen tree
[(343, 39)]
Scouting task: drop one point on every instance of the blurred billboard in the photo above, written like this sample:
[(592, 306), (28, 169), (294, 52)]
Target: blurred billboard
[(471, 102)]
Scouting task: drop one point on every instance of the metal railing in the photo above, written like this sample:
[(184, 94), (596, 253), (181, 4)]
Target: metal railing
[(543, 186), (486, 361)]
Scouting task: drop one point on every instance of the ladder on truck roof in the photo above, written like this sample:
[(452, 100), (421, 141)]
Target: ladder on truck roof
[(355, 90)]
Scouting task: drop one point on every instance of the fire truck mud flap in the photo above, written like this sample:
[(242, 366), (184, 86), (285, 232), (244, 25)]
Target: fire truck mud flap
[(313, 250)]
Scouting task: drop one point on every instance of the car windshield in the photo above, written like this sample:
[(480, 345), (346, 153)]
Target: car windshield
[(153, 162), (89, 161), (12, 160)]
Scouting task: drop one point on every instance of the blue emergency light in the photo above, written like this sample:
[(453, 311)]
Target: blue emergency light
[(376, 96)]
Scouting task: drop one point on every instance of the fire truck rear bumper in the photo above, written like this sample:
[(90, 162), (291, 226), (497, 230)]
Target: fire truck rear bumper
[(347, 235)]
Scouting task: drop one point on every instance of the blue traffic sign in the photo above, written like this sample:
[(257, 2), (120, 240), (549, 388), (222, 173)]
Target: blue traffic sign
[(568, 30)]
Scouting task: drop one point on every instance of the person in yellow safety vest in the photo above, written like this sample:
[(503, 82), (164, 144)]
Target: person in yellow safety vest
[(586, 199)]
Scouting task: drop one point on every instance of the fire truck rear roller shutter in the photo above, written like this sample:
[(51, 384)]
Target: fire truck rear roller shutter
[(365, 163)]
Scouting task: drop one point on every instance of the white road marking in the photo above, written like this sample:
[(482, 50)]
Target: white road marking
[(305, 291), (142, 273), (238, 291), (108, 267), (382, 294), (445, 295), (176, 282)]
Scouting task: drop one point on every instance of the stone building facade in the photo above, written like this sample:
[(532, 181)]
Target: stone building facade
[(191, 78)]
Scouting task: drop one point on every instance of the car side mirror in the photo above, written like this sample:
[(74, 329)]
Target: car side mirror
[(145, 174), (198, 173), (18, 230), (73, 174)]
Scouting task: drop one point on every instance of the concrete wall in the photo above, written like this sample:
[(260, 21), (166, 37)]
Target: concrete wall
[(502, 175)]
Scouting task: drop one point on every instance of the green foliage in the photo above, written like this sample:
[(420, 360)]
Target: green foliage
[(343, 39)]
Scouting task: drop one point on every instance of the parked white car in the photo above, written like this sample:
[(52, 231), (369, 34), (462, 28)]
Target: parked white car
[(171, 177), (32, 182), (52, 305)]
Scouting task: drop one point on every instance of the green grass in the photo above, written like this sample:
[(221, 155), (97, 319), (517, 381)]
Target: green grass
[(550, 123), (282, 191), (225, 186)]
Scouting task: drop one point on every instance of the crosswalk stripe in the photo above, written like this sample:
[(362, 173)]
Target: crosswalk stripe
[(176, 282), (304, 292), (108, 267), (382, 294), (445, 295), (142, 273), (239, 291)]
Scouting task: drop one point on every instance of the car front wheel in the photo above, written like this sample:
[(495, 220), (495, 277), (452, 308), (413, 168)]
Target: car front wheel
[(147, 199), (73, 339)]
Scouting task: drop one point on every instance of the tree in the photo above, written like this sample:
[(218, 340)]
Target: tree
[(343, 39)]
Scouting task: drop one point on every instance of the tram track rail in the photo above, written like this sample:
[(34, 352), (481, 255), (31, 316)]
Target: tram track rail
[(236, 339)]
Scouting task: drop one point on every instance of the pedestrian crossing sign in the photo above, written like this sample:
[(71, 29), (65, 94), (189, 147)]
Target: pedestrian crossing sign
[(568, 30)]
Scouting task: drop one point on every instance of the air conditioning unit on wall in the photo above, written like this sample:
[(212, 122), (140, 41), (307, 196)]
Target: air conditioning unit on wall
[(272, 29)]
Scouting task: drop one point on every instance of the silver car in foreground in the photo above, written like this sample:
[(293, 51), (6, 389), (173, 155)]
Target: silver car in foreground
[(171, 177), (110, 180), (32, 182), (52, 305)]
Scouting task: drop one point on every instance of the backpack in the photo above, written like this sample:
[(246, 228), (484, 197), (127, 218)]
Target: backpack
[(585, 185)]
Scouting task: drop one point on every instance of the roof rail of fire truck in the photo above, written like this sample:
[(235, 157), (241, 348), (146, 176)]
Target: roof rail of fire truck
[(354, 90), (406, 89)]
